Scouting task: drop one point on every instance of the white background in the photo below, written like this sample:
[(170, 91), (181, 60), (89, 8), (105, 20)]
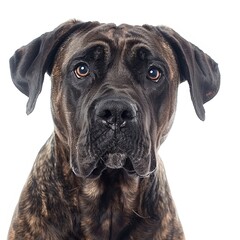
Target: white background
[(201, 158)]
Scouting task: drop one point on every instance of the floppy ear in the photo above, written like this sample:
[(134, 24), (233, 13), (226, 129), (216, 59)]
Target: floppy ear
[(196, 67), (29, 63)]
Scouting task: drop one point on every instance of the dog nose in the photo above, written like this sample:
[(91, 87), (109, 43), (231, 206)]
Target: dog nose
[(116, 113)]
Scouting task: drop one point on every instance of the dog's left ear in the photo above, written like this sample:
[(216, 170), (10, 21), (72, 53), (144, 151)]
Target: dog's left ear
[(196, 67), (29, 63)]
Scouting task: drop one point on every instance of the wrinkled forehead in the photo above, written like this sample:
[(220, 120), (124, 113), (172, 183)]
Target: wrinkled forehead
[(119, 38), (115, 35)]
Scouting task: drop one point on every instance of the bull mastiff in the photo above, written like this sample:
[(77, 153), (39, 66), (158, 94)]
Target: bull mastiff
[(113, 100)]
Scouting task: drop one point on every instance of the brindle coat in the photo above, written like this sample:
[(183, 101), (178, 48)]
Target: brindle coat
[(113, 99)]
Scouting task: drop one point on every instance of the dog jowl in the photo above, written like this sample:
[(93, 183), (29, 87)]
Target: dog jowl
[(113, 100)]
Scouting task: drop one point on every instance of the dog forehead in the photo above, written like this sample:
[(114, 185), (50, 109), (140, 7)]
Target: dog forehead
[(115, 34), (118, 37)]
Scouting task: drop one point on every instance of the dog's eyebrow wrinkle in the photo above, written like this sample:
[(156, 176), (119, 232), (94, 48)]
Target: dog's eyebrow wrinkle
[(96, 50)]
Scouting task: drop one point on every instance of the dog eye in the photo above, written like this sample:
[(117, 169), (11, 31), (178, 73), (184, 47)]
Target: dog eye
[(154, 74), (82, 70)]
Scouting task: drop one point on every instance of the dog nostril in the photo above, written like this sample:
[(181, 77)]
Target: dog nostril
[(105, 114), (127, 115)]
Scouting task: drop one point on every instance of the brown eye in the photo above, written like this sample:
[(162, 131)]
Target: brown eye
[(82, 70), (154, 74)]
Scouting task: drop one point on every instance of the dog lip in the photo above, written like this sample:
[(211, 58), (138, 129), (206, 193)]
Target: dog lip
[(120, 161), (111, 161), (89, 172)]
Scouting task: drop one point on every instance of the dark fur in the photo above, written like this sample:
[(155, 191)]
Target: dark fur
[(99, 175)]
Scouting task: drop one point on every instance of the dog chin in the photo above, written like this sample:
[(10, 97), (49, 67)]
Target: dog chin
[(109, 163)]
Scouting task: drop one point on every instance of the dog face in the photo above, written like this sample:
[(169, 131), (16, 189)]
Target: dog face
[(114, 90), (118, 86)]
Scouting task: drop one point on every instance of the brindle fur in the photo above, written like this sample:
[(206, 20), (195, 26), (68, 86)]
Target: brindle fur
[(56, 204)]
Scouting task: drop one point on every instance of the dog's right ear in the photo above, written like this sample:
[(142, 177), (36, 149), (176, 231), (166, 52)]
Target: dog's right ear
[(29, 63)]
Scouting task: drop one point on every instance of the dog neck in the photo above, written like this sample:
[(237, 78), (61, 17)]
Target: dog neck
[(109, 202), (113, 203)]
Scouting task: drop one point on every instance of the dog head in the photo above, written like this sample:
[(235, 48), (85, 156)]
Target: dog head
[(114, 89)]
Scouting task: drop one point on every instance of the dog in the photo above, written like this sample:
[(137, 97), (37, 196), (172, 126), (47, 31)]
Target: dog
[(113, 101)]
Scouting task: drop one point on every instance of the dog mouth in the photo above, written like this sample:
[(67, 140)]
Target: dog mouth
[(113, 161), (136, 158), (108, 162)]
